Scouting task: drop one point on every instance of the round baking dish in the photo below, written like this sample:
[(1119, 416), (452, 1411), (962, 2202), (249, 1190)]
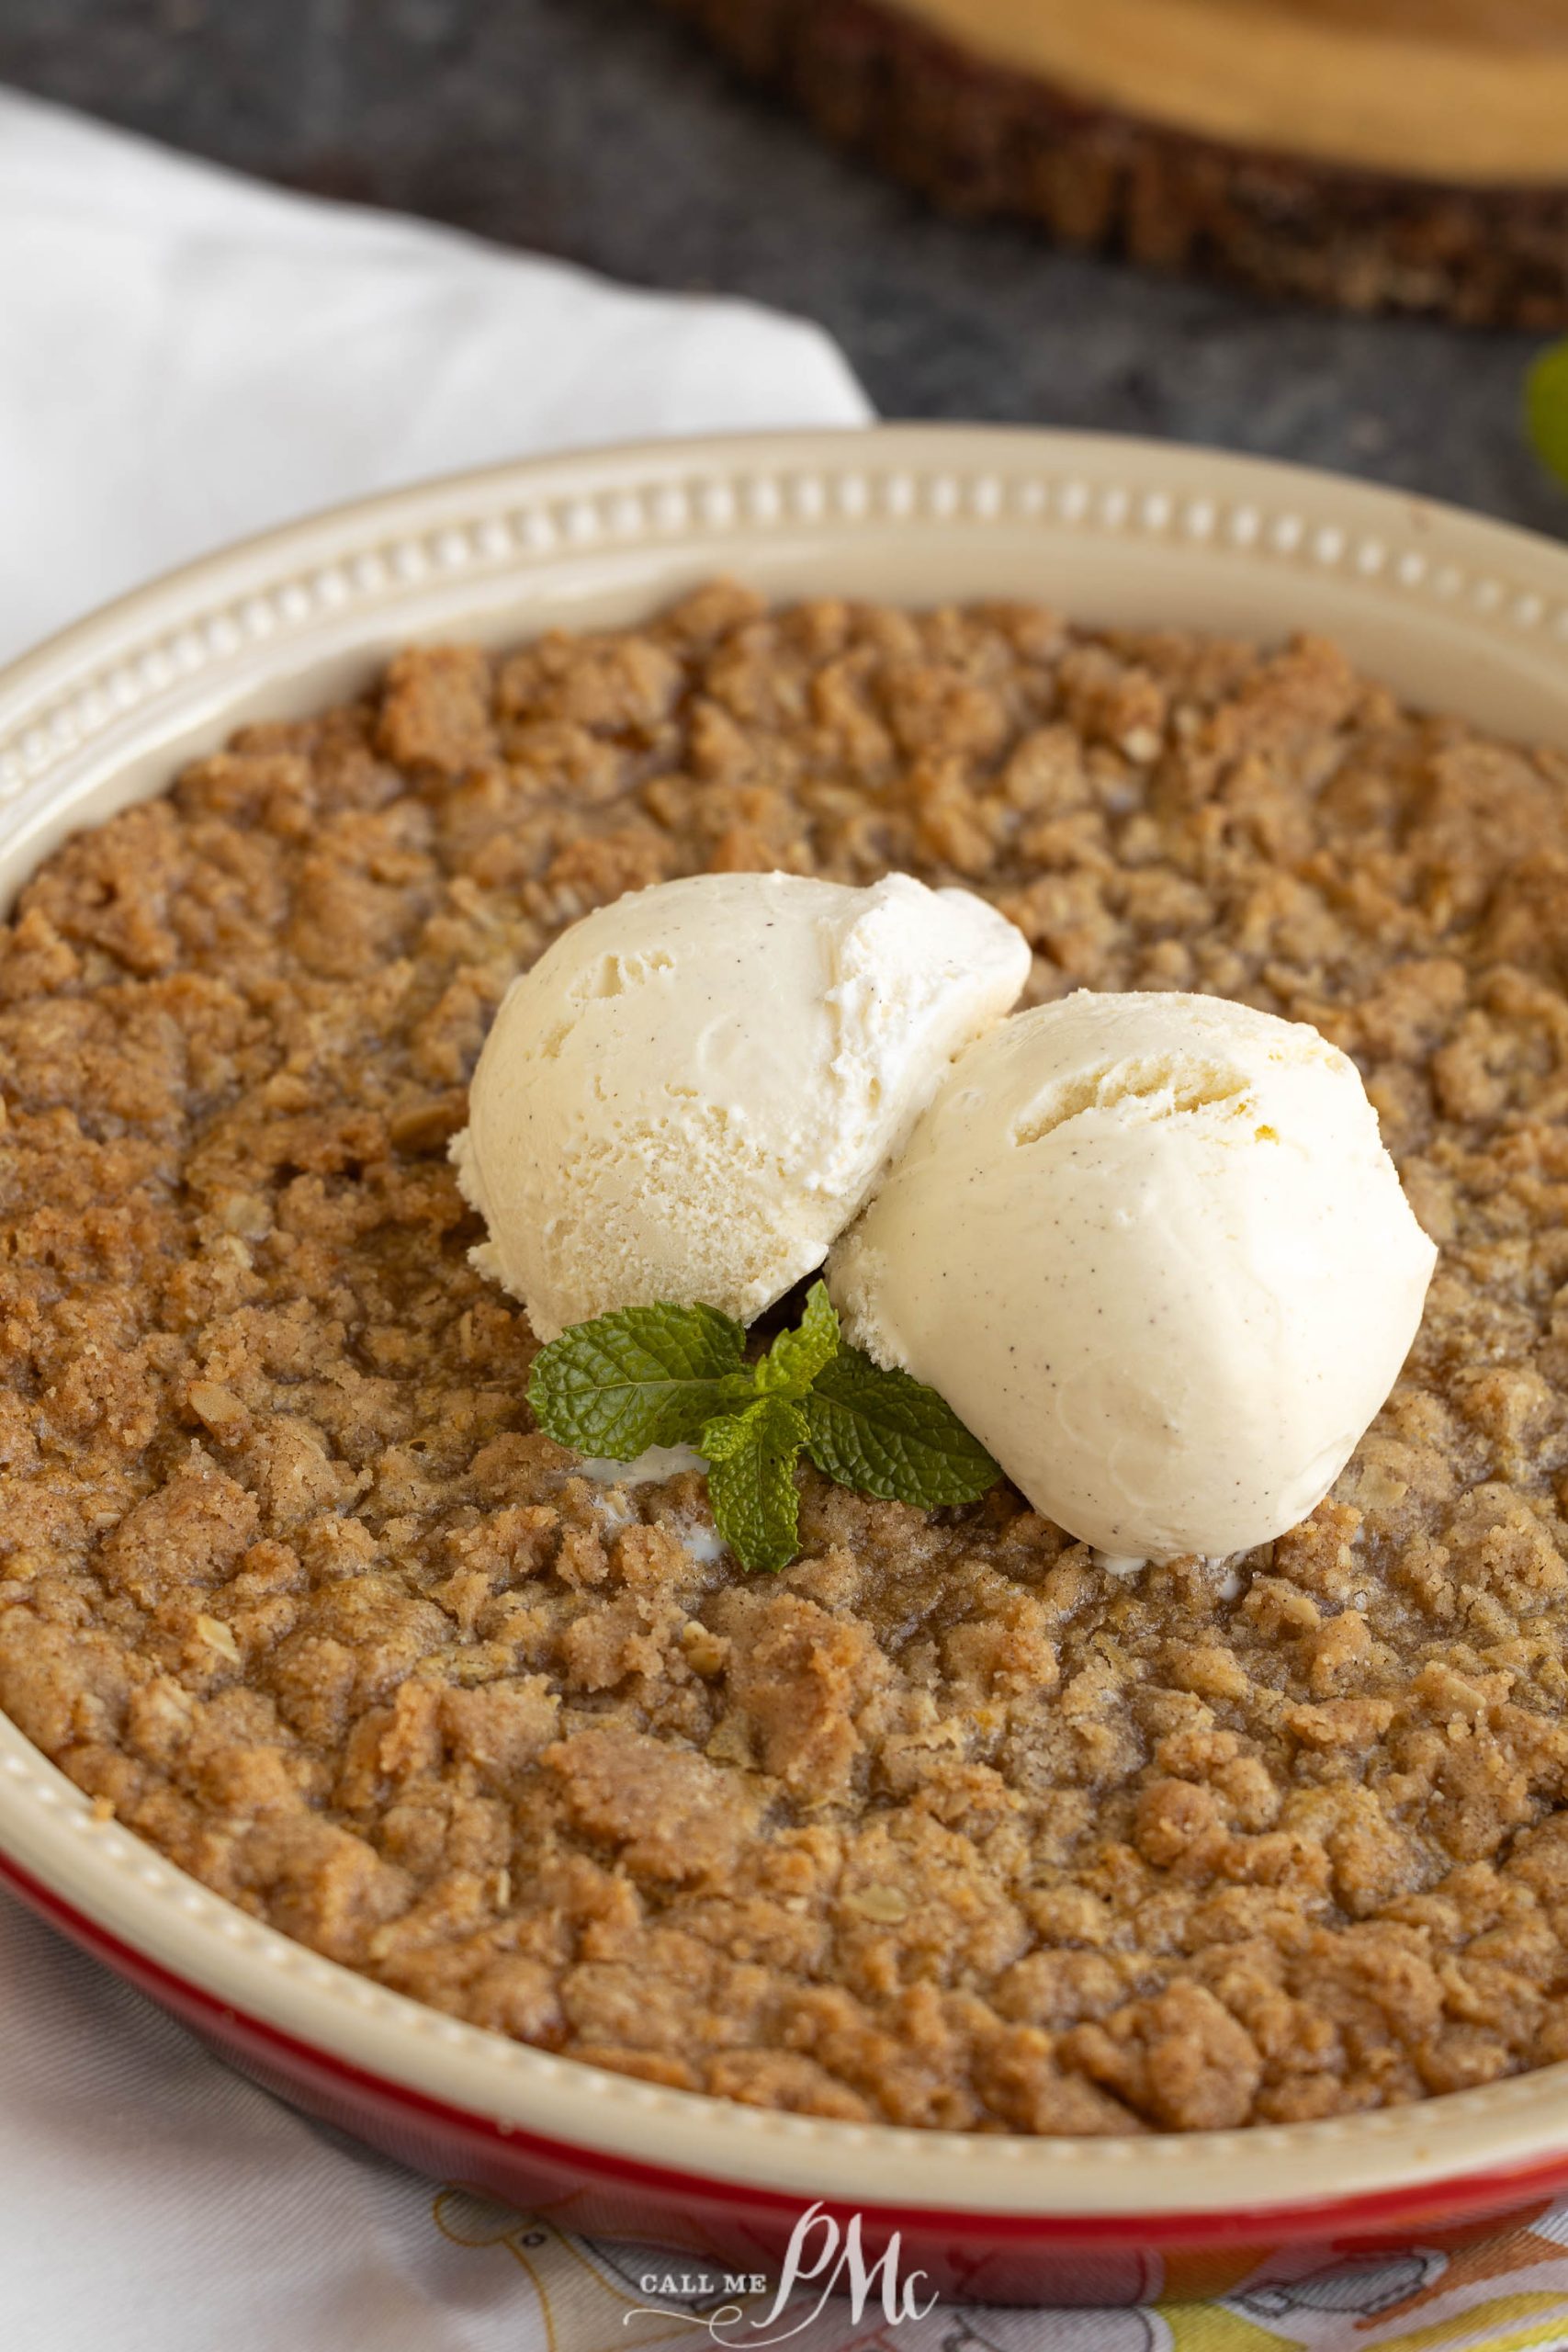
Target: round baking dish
[(1452, 612)]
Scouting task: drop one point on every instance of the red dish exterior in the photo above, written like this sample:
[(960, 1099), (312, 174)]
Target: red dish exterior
[(967, 2257)]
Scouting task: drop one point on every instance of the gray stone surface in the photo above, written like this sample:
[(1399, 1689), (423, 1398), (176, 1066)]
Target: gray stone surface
[(596, 129)]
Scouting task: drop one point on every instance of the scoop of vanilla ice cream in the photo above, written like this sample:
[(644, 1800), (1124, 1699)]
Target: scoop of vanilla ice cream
[(1152, 1250), (693, 1090)]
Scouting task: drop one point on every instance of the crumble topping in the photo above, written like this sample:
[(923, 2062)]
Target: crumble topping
[(947, 1825)]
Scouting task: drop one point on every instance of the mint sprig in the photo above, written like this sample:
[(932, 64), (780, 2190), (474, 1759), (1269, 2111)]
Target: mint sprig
[(672, 1375)]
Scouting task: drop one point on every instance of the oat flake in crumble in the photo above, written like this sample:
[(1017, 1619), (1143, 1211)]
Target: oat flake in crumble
[(946, 1825)]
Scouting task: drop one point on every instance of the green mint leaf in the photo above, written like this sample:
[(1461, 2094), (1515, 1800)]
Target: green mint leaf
[(664, 1375), (751, 1457), (889, 1435), (1546, 409), (646, 1375), (795, 1358)]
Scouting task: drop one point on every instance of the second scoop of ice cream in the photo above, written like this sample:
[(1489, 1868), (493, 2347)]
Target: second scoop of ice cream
[(693, 1090), (1151, 1249)]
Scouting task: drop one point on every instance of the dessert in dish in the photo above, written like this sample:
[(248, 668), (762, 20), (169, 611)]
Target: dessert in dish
[(945, 1824)]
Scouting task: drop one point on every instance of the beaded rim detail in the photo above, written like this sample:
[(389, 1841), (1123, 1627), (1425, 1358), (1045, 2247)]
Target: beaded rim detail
[(720, 489)]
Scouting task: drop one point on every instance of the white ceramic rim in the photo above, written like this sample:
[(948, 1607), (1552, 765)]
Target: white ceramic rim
[(1456, 611)]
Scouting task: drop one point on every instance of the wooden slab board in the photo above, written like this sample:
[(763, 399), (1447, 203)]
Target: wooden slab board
[(1400, 155)]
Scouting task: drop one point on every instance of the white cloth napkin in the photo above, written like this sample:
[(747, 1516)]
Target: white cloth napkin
[(186, 356)]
